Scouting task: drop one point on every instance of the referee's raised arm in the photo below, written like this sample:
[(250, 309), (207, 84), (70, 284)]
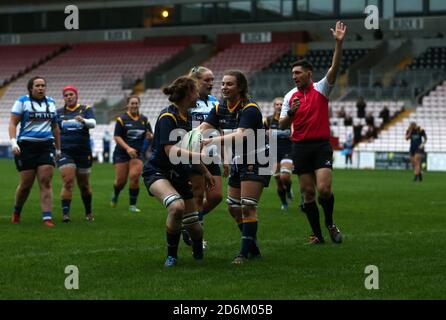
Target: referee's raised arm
[(338, 35)]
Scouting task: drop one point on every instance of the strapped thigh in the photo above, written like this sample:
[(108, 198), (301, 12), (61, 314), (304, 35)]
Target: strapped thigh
[(190, 219), (168, 200)]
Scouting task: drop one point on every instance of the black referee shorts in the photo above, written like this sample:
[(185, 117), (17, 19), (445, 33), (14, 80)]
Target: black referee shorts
[(310, 155)]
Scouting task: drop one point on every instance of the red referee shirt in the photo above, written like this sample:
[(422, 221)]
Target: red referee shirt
[(311, 120)]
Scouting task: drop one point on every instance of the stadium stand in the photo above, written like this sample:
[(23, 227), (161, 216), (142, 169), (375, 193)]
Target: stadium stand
[(18, 59), (337, 126), (248, 58), (96, 69), (152, 102), (340, 130), (99, 69), (321, 59), (431, 116), (434, 58)]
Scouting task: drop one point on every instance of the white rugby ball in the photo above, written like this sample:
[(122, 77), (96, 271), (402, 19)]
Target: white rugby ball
[(192, 140)]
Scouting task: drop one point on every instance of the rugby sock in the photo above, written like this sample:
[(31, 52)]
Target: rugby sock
[(117, 191), (66, 206), (173, 239), (248, 236), (197, 247), (287, 185), (327, 205), (46, 215), (201, 215), (87, 202), (282, 195), (240, 226), (312, 213), (17, 210), (133, 196)]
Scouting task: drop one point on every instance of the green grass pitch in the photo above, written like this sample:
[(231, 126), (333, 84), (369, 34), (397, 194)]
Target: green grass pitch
[(387, 220)]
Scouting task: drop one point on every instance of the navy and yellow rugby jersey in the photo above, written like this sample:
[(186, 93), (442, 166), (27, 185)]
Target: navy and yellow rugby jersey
[(245, 114), (168, 120), (132, 130), (283, 136), (74, 135), (416, 138)]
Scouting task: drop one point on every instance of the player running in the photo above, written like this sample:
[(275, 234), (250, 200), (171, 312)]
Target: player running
[(130, 131), (169, 181)]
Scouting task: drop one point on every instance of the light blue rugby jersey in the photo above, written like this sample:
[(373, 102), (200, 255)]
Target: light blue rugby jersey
[(35, 123), (201, 111)]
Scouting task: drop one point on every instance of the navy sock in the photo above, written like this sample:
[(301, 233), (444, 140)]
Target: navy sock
[(201, 215), (288, 186), (248, 237), (66, 206), (117, 191), (46, 215), (282, 195), (17, 210), (173, 239), (328, 205), (240, 226), (87, 202), (197, 247), (133, 196), (312, 213)]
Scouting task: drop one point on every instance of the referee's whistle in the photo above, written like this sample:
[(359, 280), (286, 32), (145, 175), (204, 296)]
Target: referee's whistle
[(296, 102)]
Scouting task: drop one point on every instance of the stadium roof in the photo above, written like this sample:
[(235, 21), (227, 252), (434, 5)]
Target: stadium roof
[(13, 3), (11, 6)]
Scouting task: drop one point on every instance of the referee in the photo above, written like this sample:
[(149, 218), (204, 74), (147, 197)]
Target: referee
[(306, 109)]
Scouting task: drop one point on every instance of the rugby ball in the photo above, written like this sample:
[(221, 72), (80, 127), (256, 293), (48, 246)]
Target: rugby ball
[(192, 140)]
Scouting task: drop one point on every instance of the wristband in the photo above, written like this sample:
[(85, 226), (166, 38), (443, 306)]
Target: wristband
[(58, 152), (14, 143), (290, 114)]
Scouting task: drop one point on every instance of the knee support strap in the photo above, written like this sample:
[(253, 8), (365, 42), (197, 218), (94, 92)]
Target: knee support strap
[(246, 201), (167, 201), (285, 170), (190, 218), (233, 202)]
